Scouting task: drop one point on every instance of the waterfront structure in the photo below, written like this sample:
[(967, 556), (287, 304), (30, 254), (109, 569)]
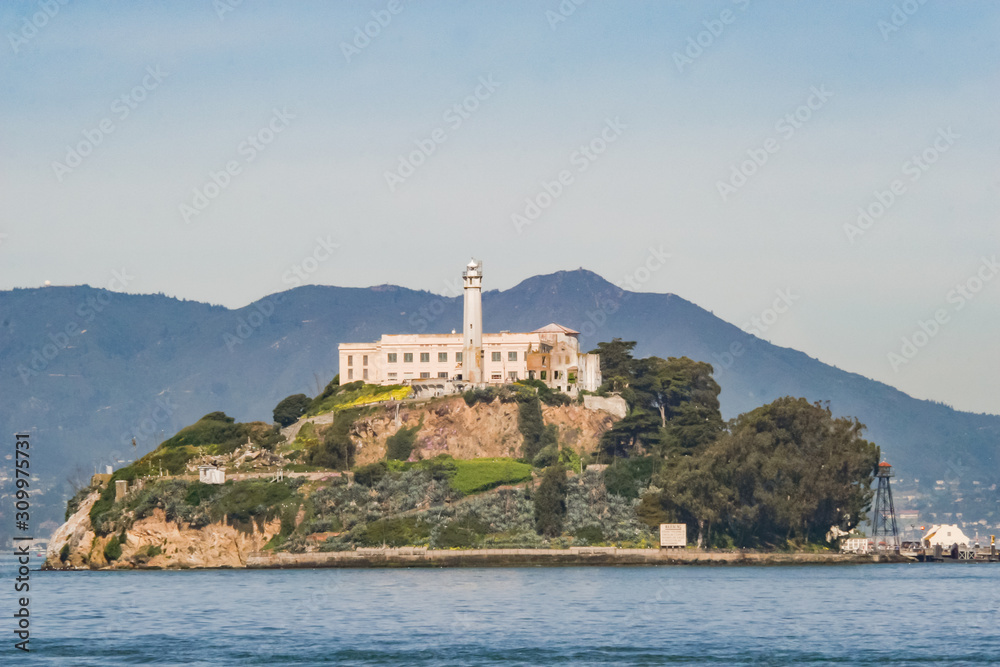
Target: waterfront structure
[(885, 532), (856, 545), (945, 536), (469, 357)]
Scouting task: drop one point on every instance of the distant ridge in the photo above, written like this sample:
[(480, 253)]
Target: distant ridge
[(148, 365)]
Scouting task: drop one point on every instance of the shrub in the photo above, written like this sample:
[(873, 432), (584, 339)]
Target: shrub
[(289, 409), (592, 534), (113, 549), (550, 502), (547, 457), (251, 501), (464, 532), (73, 504), (306, 437), (626, 477), (197, 492), (371, 474), (393, 532), (337, 449), (399, 445)]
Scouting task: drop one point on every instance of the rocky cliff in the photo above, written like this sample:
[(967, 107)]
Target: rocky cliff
[(449, 426), (153, 542)]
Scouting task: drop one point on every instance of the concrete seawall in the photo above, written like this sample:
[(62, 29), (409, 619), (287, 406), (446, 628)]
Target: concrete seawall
[(419, 557)]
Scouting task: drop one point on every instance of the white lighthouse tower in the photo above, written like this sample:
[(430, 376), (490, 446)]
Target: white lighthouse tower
[(472, 324)]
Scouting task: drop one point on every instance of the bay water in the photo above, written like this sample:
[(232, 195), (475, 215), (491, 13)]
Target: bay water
[(668, 615)]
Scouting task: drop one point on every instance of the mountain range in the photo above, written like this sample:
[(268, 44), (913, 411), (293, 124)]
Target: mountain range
[(87, 370)]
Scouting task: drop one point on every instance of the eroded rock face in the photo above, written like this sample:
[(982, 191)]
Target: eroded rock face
[(155, 542), (77, 533), (452, 427)]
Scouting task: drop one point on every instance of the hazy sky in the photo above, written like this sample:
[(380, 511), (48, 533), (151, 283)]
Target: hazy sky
[(211, 150)]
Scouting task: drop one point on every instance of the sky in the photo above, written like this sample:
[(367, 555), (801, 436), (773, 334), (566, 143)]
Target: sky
[(824, 175)]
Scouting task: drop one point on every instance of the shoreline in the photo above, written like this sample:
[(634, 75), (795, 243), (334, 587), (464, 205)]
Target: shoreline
[(575, 556)]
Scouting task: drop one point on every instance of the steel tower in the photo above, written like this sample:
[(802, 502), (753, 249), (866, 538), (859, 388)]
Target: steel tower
[(885, 533)]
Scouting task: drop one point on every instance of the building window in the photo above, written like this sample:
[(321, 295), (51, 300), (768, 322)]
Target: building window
[(350, 360), (542, 375), (512, 376), (364, 374), (496, 376), (572, 377), (425, 376), (407, 357), (364, 360), (543, 361), (512, 356), (443, 375), (350, 373), (496, 356), (391, 357), (458, 357), (531, 375), (392, 376), (425, 357), (555, 375), (442, 356)]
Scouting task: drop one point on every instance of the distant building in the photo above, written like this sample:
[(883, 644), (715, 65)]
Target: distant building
[(945, 535), (856, 545), (211, 475), (550, 354)]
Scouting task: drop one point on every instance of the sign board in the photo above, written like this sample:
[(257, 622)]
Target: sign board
[(673, 535)]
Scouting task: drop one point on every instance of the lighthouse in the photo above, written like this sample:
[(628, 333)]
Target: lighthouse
[(472, 323)]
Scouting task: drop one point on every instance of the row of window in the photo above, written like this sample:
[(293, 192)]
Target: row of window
[(425, 357), (443, 375)]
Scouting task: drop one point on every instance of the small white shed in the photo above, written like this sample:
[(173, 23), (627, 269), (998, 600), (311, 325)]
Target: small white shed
[(211, 475)]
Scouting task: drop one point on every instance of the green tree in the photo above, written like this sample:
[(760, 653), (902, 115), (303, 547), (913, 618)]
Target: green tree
[(289, 409), (616, 363), (532, 426), (684, 395), (399, 445), (336, 450), (550, 502), (786, 471)]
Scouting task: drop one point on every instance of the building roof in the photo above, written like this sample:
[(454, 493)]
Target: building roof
[(556, 328)]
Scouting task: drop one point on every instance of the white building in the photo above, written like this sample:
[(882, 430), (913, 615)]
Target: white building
[(856, 545), (211, 475), (550, 354), (945, 535)]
